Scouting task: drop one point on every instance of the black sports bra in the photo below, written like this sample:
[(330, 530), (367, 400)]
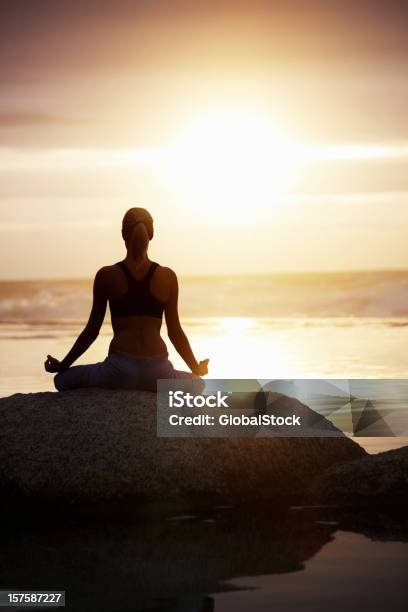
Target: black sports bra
[(138, 300)]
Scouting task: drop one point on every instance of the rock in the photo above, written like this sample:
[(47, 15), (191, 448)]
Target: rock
[(374, 479), (90, 445)]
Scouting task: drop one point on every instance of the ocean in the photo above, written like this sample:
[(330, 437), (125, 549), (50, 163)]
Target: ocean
[(328, 325)]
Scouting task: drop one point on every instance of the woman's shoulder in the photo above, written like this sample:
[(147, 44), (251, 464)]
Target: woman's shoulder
[(106, 275), (164, 269), (106, 271), (165, 273)]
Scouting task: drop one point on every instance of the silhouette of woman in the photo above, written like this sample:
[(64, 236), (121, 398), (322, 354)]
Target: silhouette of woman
[(138, 291)]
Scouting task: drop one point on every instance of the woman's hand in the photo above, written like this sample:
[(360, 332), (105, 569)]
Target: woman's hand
[(202, 368), (52, 365)]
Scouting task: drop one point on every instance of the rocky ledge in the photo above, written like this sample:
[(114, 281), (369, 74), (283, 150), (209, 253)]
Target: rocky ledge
[(380, 479), (92, 445)]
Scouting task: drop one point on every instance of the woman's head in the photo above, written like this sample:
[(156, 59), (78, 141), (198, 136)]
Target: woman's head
[(137, 231)]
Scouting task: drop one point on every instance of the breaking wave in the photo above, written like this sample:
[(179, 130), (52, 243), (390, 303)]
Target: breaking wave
[(374, 294)]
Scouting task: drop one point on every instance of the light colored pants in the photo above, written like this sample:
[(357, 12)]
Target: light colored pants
[(120, 371)]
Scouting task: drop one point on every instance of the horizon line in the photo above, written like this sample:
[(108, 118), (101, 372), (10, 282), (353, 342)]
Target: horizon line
[(223, 275)]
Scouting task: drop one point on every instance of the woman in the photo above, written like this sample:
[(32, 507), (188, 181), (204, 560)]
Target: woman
[(138, 291)]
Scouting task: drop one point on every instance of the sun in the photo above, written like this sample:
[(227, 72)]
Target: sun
[(229, 162)]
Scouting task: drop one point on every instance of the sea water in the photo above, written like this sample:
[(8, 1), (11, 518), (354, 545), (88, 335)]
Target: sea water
[(344, 325)]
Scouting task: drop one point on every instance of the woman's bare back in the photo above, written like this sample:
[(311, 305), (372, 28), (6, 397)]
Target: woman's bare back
[(136, 335)]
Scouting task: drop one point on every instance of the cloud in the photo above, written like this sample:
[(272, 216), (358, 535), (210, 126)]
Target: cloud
[(15, 159), (56, 226), (12, 159), (12, 119)]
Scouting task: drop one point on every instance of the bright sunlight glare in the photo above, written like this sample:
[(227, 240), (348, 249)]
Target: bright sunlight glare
[(227, 162)]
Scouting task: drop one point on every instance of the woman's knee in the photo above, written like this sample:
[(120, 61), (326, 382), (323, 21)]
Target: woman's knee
[(58, 381), (75, 377)]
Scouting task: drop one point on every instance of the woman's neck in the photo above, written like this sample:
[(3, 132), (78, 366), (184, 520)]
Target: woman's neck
[(137, 264)]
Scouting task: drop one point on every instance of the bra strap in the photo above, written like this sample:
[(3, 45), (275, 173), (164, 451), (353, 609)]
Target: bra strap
[(150, 272), (130, 279), (126, 272)]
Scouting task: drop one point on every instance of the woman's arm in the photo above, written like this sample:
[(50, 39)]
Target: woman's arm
[(176, 334), (89, 333)]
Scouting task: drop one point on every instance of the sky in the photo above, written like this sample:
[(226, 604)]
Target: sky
[(263, 136)]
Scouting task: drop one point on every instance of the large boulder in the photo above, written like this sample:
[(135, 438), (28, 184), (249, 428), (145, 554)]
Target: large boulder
[(374, 479), (91, 445)]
